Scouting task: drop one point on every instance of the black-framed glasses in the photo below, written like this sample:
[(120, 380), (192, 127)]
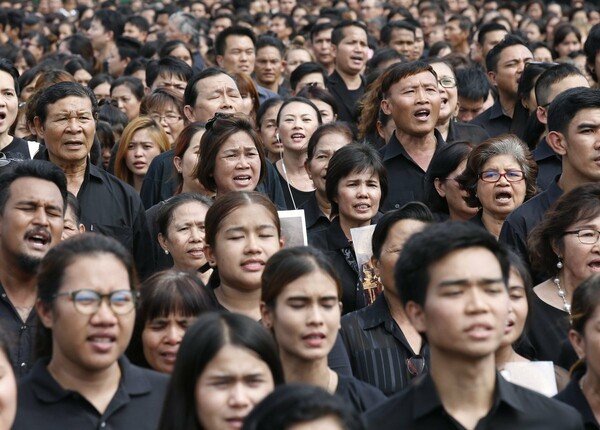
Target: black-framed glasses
[(447, 82), (415, 365), (493, 176), (87, 302), (218, 115), (587, 236), (170, 118)]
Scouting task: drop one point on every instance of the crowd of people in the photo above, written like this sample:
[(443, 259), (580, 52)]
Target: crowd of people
[(147, 151)]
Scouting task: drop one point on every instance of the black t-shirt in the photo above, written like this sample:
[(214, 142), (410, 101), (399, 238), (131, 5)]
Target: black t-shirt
[(360, 395), (18, 149)]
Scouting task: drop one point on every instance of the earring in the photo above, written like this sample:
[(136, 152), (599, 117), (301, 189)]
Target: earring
[(166, 252), (559, 264)]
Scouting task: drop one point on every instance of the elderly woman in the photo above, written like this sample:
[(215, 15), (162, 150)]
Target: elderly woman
[(500, 175)]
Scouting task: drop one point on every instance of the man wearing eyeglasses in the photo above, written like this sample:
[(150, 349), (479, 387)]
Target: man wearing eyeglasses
[(32, 204), (452, 281), (573, 121), (66, 119)]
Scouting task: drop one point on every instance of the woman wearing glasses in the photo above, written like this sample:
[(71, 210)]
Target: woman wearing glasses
[(565, 246), (500, 175), (300, 304), (165, 106), (86, 306)]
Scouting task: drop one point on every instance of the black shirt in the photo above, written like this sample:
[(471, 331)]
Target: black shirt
[(315, 218), (359, 395), (549, 164), (514, 407), (377, 348), (573, 396), (461, 131), (345, 99), (547, 330), (137, 404), (493, 120), (21, 335), (18, 149), (406, 178), (294, 198)]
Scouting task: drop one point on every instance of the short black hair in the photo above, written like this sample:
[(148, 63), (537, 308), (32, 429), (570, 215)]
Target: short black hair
[(435, 242), (62, 90), (337, 35), (472, 83), (551, 76), (128, 47), (318, 28), (138, 21), (236, 30), (169, 66), (191, 92), (306, 69), (399, 71), (567, 104), (464, 23), (8, 67), (266, 40), (492, 57), (386, 32), (135, 85), (488, 27), (111, 20)]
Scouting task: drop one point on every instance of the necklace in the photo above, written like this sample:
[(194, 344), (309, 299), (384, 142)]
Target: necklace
[(562, 295)]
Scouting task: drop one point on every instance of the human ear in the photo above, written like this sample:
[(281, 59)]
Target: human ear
[(557, 142), (210, 256), (416, 316), (266, 315), (578, 343), (385, 107), (439, 187), (44, 311), (162, 240)]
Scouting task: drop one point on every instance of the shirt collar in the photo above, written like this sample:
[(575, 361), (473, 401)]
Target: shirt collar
[(395, 148), (376, 314), (335, 235), (543, 151), (496, 110)]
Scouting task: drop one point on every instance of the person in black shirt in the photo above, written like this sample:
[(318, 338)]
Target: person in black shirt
[(33, 197), (452, 280)]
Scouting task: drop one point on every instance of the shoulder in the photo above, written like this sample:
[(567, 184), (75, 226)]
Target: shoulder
[(395, 409), (363, 396)]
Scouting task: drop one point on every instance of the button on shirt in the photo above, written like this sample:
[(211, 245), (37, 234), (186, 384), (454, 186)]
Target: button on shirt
[(406, 179), (514, 407), (20, 334)]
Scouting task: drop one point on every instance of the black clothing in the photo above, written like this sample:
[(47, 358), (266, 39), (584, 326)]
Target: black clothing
[(137, 404), (461, 131), (345, 99), (162, 261), (548, 328), (523, 219), (315, 219), (338, 248), (299, 197), (20, 335), (359, 395), (549, 164), (113, 208), (406, 178), (493, 120), (18, 149), (573, 396), (377, 348), (515, 407)]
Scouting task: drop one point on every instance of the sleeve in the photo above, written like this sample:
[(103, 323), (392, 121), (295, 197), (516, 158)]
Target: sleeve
[(142, 246), (150, 192), (337, 359)]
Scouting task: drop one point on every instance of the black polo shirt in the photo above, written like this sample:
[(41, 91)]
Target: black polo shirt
[(461, 131), (21, 335), (345, 99), (137, 404), (406, 179), (573, 396), (377, 348), (493, 120), (549, 164), (514, 407)]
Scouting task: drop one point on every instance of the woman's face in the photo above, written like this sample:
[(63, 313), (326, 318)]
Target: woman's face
[(358, 196), (295, 58), (182, 53), (532, 31), (306, 317), (186, 165), (326, 111), (246, 239), (542, 54), (449, 96), (237, 165), (324, 150), (161, 338), (297, 122), (232, 383), (247, 105), (170, 120), (501, 198), (102, 91), (126, 101), (64, 31), (8, 393), (397, 236), (82, 76), (568, 45), (588, 345), (141, 150), (268, 130), (580, 260), (517, 313), (29, 90), (449, 189)]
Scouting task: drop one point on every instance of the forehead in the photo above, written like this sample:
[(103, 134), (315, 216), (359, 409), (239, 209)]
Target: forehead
[(268, 51), (442, 69), (591, 115), (469, 264), (6, 80), (70, 103), (354, 32), (217, 82), (402, 33), (515, 52), (29, 188), (299, 108), (422, 77), (237, 41), (312, 77)]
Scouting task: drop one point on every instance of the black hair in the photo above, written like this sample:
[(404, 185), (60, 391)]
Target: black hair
[(264, 107), (165, 212), (221, 41), (336, 127), (472, 83), (135, 85), (386, 32), (306, 69), (422, 250), (311, 93), (265, 40), (289, 100), (168, 66), (135, 65), (380, 56), (492, 57), (337, 35), (191, 92), (591, 47), (399, 71), (73, 204), (99, 79), (111, 20), (488, 28), (318, 28), (569, 103), (59, 91), (128, 47), (551, 76), (138, 21), (8, 67), (170, 46)]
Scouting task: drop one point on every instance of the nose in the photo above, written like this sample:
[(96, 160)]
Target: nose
[(315, 316), (238, 396), (104, 315), (476, 301), (361, 191), (73, 125), (41, 218), (163, 121), (174, 334), (196, 235)]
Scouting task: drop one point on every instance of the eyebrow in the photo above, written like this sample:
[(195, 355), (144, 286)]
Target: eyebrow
[(36, 204), (587, 125), (241, 228), (308, 299), (467, 282)]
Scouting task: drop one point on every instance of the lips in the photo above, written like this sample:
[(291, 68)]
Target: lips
[(297, 137), (253, 265), (594, 265), (102, 342), (196, 252), (139, 164), (314, 339), (169, 356), (39, 238), (235, 422), (479, 331), (73, 144), (362, 207), (503, 197), (242, 181), (422, 114)]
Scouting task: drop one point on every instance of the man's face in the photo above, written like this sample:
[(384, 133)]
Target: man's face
[(469, 109), (31, 223), (134, 32), (98, 35), (454, 35), (322, 48), (351, 53), (370, 9), (217, 93), (427, 20), (174, 32), (238, 56), (419, 45), (279, 28), (69, 130), (269, 66), (116, 65), (414, 104), (573, 81), (491, 39), (403, 41), (314, 79), (171, 82), (510, 67), (9, 102), (220, 24), (466, 305)]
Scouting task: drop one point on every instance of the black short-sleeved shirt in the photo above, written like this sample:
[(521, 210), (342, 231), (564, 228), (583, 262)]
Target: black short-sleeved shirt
[(377, 348), (547, 330), (493, 120), (21, 335), (549, 164), (315, 218), (17, 149), (137, 404), (460, 131), (573, 396), (294, 198), (345, 99), (419, 407), (406, 179), (359, 395)]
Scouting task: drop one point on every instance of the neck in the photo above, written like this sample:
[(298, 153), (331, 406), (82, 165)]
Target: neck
[(411, 142), (347, 225), (324, 203), (273, 86), (491, 223), (137, 182), (570, 179), (352, 81), (506, 354), (508, 104), (74, 172), (314, 372), (20, 287), (245, 302), (294, 162), (5, 140), (444, 128)]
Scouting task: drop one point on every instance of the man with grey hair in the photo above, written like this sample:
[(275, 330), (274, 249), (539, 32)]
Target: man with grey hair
[(184, 26)]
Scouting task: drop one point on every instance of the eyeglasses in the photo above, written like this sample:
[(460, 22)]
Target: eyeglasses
[(219, 115), (447, 82), (510, 176), (169, 118), (587, 236), (87, 302), (415, 365)]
